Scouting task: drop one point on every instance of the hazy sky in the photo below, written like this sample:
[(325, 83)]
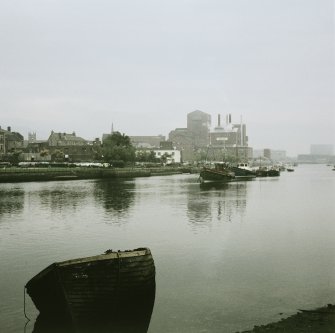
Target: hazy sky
[(79, 65)]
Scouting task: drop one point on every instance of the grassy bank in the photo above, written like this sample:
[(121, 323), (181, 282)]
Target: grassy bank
[(16, 174)]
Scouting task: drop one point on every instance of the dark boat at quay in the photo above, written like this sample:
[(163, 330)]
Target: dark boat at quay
[(113, 292), (267, 172), (220, 173), (243, 171), (272, 172)]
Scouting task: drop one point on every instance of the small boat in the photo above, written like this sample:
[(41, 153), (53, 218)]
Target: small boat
[(220, 173), (110, 287), (289, 169)]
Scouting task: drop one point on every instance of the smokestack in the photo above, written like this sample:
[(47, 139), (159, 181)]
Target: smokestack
[(226, 119), (219, 120), (229, 118), (242, 143)]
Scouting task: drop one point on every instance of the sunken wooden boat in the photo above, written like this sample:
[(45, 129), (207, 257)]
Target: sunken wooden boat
[(109, 288)]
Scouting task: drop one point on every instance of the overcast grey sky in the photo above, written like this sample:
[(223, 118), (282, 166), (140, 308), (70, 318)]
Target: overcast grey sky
[(80, 65)]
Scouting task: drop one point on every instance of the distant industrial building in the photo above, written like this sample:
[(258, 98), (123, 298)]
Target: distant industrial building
[(320, 153), (321, 149), (198, 125), (198, 142), (230, 141), (194, 138), (147, 141), (278, 155)]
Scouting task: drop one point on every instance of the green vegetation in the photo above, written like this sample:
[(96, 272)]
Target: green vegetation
[(146, 156), (117, 147), (57, 156), (13, 158)]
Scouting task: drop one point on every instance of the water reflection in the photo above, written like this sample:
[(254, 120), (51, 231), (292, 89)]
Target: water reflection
[(130, 323), (63, 196), (115, 195), (126, 317), (11, 201), (217, 201)]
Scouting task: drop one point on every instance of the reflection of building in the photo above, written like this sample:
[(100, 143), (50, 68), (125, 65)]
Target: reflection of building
[(115, 196), (11, 201), (225, 202)]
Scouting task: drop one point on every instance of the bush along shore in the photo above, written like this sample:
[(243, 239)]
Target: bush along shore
[(17, 174), (321, 320)]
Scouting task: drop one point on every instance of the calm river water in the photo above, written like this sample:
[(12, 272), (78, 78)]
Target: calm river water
[(227, 257)]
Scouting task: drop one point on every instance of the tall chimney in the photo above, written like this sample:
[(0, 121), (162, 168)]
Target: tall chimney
[(242, 143), (219, 120), (229, 118)]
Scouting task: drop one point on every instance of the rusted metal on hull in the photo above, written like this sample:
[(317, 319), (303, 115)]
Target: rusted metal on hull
[(109, 288)]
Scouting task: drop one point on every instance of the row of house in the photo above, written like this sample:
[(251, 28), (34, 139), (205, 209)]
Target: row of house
[(74, 148), (10, 141), (194, 143)]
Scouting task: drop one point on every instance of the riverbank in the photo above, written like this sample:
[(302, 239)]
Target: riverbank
[(16, 174), (321, 320)]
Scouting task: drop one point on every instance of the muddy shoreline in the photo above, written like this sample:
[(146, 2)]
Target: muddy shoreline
[(320, 320)]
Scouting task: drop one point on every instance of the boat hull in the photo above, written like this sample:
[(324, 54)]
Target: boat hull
[(267, 173), (110, 287), (210, 175), (243, 173)]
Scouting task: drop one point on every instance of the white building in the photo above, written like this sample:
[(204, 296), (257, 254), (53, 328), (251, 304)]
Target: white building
[(172, 155)]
